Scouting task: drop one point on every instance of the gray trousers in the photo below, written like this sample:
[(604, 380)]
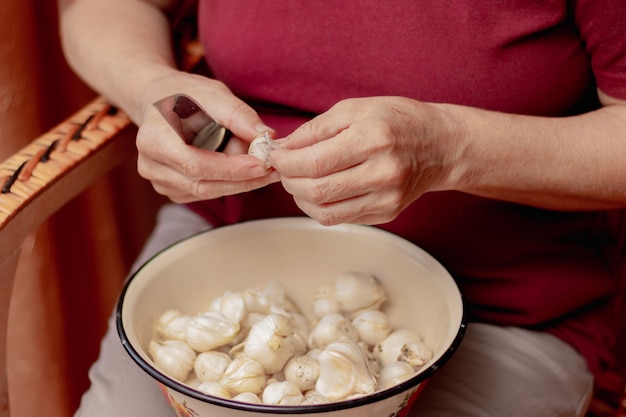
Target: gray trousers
[(496, 372)]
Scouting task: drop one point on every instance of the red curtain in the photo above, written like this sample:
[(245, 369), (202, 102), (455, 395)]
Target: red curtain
[(72, 267)]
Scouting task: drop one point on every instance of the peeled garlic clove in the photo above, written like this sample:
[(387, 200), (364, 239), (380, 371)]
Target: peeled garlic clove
[(331, 328), (174, 357), (282, 393), (372, 326), (324, 302), (260, 148), (393, 374), (356, 291), (172, 325), (415, 353), (232, 305), (344, 371), (214, 388), (210, 330), (271, 342), (248, 397), (210, 366), (390, 348), (303, 371), (244, 375)]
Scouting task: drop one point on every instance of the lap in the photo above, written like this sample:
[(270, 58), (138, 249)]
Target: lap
[(496, 371)]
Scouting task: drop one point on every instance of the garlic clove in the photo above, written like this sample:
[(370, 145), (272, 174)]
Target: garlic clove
[(210, 330), (394, 374), (415, 353), (232, 305), (248, 397), (282, 393), (260, 148), (356, 291), (324, 302), (244, 375), (172, 325), (389, 349), (372, 326), (271, 342), (331, 328), (256, 301), (303, 370), (174, 357), (210, 366), (312, 397), (214, 388), (344, 371)]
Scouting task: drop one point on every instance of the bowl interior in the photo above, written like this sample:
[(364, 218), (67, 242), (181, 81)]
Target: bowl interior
[(302, 255)]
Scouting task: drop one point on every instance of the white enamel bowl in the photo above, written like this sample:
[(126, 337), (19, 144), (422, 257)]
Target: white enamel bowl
[(302, 255)]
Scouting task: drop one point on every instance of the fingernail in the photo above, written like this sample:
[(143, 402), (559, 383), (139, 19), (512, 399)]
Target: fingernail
[(261, 128), (258, 171)]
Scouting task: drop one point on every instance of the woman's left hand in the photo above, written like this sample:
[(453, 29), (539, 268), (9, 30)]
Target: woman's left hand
[(366, 159)]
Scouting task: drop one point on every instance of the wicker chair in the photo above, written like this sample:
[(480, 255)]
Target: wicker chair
[(45, 175)]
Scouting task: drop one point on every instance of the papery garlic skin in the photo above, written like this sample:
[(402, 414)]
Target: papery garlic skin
[(331, 328), (211, 366), (244, 375), (232, 305), (260, 148), (172, 325), (214, 388), (271, 342), (303, 370), (247, 397), (210, 330), (282, 393), (174, 357), (344, 371), (313, 397), (372, 326), (389, 349), (415, 353), (394, 374), (357, 291)]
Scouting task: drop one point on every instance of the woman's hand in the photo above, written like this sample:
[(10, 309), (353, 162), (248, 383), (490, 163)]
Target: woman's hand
[(185, 173), (365, 160)]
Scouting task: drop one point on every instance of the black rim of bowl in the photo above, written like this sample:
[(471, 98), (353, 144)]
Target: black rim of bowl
[(423, 374)]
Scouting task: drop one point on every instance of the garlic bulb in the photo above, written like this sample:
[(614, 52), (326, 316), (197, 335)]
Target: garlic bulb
[(248, 397), (261, 147), (211, 365), (244, 375), (174, 357), (214, 388), (271, 342), (393, 374), (256, 301), (172, 325), (415, 353), (389, 349), (232, 306), (303, 371), (356, 291), (282, 393), (344, 371), (372, 326), (210, 330), (331, 328)]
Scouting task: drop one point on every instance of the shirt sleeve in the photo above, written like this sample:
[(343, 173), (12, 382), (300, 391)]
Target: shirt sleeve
[(602, 26)]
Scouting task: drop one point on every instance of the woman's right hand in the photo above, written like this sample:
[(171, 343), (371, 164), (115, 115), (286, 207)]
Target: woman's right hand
[(183, 172)]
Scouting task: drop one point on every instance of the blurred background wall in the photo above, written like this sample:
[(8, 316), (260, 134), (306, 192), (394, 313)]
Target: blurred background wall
[(72, 268)]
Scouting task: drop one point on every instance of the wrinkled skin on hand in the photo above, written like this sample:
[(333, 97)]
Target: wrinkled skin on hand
[(185, 173), (365, 160)]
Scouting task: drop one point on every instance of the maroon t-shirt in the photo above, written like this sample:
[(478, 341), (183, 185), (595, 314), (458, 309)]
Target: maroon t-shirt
[(515, 264)]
